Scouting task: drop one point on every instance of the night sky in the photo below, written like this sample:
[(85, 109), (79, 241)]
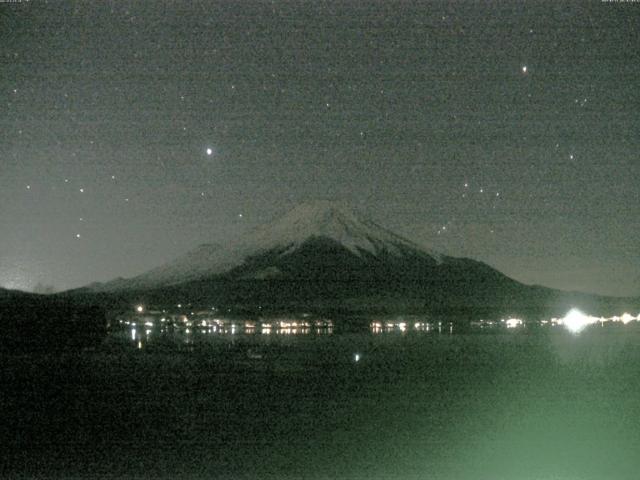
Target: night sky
[(131, 132)]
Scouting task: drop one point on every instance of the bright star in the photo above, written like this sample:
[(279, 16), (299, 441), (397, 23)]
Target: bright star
[(209, 151), (524, 69)]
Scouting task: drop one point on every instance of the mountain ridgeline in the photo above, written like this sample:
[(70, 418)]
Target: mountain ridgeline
[(325, 257)]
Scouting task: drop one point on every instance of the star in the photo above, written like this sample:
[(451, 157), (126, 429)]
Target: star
[(524, 69), (28, 187), (77, 235), (209, 151)]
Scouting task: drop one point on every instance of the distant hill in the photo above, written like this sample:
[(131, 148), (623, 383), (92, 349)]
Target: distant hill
[(45, 323), (6, 293)]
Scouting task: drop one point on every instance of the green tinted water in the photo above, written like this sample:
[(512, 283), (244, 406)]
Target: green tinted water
[(443, 407)]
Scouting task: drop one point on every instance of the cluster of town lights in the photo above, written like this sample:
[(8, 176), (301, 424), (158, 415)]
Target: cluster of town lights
[(574, 321)]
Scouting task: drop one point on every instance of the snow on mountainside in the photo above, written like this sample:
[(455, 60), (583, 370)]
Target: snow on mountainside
[(334, 221), (328, 220)]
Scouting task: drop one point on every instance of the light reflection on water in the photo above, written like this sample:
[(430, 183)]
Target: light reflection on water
[(143, 331), (188, 330), (451, 407), (145, 327)]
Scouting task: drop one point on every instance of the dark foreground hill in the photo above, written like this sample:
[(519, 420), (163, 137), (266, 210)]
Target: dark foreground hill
[(38, 323)]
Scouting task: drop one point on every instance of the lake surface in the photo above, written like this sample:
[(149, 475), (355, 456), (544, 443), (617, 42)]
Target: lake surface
[(512, 406)]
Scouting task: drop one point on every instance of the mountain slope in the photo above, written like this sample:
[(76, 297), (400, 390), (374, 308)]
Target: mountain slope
[(324, 256), (320, 223)]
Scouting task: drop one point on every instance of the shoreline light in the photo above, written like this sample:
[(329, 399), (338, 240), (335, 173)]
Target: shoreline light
[(575, 321)]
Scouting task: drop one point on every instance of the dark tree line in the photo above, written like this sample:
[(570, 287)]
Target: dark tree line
[(44, 324)]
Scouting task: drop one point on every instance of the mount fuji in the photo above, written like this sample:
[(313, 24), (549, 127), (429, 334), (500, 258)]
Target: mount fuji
[(317, 235), (326, 255)]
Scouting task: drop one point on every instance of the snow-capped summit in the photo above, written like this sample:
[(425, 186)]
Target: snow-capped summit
[(331, 222)]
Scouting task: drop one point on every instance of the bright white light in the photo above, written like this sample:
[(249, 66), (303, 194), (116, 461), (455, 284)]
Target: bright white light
[(626, 318), (524, 69), (209, 151), (133, 334), (356, 357), (513, 322), (575, 321), (139, 309)]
